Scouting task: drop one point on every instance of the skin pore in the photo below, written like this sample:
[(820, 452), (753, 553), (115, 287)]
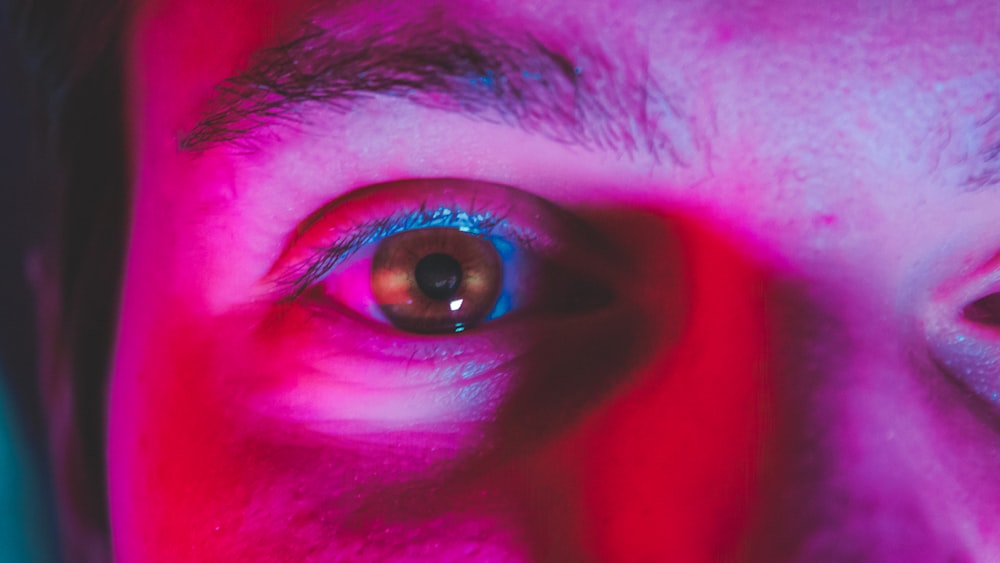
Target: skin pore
[(792, 205)]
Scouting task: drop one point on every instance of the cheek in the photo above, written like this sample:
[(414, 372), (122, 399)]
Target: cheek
[(203, 474), (176, 462)]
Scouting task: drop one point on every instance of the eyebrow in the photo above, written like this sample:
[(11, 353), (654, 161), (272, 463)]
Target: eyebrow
[(985, 170), (593, 100)]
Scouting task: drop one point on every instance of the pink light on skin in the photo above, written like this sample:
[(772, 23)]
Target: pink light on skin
[(774, 401)]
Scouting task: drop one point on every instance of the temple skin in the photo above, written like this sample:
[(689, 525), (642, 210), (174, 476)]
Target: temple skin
[(789, 376)]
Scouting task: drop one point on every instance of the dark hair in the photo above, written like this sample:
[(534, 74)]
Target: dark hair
[(73, 203)]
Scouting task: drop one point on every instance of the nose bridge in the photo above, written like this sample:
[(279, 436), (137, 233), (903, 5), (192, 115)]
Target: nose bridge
[(854, 469)]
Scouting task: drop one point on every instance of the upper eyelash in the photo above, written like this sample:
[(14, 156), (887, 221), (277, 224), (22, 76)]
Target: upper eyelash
[(302, 275)]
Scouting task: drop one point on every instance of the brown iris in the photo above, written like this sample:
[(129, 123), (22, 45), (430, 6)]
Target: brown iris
[(436, 280)]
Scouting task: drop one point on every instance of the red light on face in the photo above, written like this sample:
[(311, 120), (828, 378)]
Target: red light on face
[(670, 469)]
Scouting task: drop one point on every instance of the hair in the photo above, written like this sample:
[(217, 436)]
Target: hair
[(74, 199)]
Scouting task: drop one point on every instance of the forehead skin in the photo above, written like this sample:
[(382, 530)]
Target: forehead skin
[(828, 201)]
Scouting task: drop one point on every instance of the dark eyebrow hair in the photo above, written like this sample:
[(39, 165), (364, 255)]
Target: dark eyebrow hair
[(515, 79), (985, 171)]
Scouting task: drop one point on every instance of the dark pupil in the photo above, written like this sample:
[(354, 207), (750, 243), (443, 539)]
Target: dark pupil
[(438, 275)]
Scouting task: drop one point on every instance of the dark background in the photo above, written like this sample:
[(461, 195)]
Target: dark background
[(17, 350), (27, 531)]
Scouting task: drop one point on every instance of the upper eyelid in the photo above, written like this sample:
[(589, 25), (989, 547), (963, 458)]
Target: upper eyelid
[(300, 276), (334, 231)]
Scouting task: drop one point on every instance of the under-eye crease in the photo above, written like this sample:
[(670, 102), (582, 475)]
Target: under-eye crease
[(550, 260)]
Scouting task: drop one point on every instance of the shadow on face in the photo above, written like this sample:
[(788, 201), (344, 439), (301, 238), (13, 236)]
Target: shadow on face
[(738, 250)]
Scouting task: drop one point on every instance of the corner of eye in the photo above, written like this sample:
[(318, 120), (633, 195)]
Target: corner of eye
[(972, 298)]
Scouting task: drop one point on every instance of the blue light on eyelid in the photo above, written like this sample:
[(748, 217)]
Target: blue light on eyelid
[(503, 306), (481, 223), (507, 252), (484, 79), (484, 223)]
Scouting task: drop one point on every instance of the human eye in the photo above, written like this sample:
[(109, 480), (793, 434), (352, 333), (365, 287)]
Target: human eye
[(962, 327), (431, 300), (442, 256)]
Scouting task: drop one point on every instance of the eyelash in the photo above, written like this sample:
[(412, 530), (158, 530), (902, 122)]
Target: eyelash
[(484, 223)]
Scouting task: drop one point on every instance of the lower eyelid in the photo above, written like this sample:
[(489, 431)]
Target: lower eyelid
[(330, 338), (341, 377)]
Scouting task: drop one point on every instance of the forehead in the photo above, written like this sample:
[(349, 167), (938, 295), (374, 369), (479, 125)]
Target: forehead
[(729, 50), (911, 75), (934, 25)]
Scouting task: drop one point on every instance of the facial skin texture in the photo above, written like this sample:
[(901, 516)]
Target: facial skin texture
[(786, 372)]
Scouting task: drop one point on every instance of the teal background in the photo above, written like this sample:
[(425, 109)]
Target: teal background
[(27, 531)]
